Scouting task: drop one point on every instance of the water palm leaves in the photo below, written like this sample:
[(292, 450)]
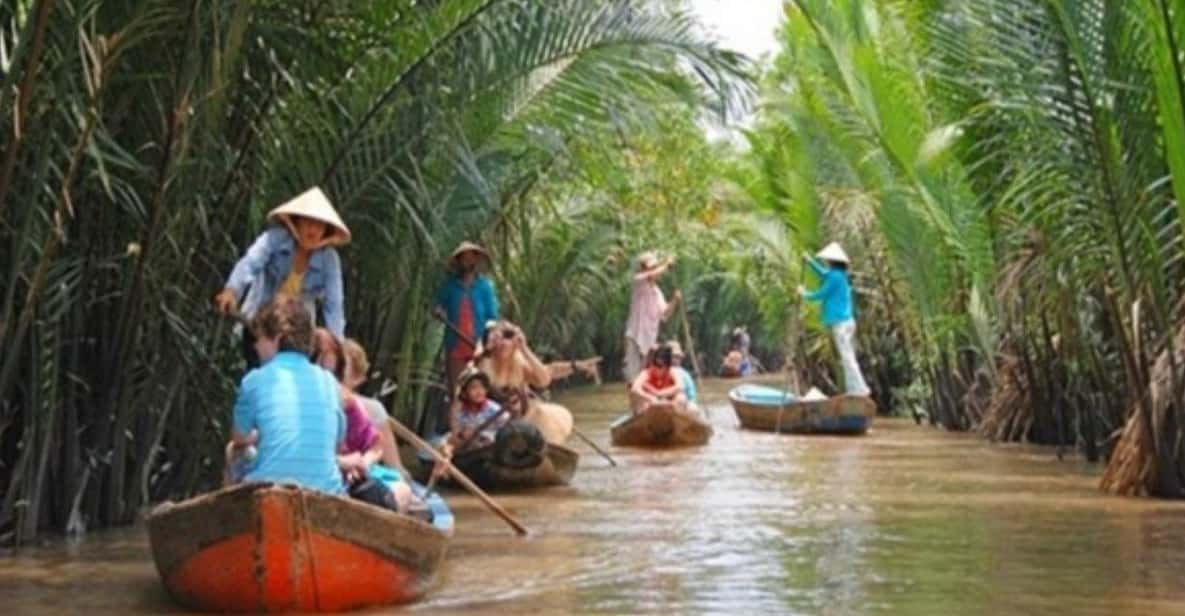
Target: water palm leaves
[(155, 136)]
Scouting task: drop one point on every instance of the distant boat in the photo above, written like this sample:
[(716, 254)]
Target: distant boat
[(660, 426), (773, 410), (262, 547)]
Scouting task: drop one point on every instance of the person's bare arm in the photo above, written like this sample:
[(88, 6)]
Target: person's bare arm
[(536, 371), (656, 271), (639, 387), (669, 309)]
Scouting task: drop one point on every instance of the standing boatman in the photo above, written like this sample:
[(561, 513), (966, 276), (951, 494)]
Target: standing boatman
[(648, 309), (466, 300), (835, 295)]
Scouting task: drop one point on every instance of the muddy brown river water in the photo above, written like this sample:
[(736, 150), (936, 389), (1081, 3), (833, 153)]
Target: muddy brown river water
[(906, 520)]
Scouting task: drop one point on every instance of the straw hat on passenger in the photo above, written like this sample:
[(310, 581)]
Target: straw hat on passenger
[(313, 204), (465, 247), (834, 252), (468, 376)]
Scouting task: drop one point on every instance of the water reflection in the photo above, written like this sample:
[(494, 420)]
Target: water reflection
[(907, 520)]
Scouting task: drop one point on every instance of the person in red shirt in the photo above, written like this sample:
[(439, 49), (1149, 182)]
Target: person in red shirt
[(657, 384)]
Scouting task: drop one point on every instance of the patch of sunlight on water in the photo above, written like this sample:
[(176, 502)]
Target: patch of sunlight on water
[(906, 520)]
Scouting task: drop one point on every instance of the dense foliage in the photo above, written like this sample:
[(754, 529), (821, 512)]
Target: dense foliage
[(144, 142), (1009, 174)]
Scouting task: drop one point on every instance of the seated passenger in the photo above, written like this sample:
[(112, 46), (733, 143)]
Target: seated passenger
[(684, 378), (472, 410), (513, 369), (656, 384), (288, 408), (362, 449), (732, 366)]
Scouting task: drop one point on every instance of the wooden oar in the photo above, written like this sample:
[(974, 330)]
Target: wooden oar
[(597, 449), (456, 332), (406, 434), (687, 338)]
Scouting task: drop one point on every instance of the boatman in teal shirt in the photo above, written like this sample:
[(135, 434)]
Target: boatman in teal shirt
[(835, 295)]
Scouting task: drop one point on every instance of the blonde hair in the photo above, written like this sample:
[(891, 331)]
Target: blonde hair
[(356, 361)]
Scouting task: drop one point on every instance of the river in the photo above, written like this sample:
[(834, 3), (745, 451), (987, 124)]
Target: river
[(906, 520)]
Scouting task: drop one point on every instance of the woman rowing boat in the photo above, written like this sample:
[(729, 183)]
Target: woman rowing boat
[(293, 257)]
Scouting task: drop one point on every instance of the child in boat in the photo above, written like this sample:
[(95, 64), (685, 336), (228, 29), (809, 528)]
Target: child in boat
[(682, 376), (293, 257), (362, 450), (657, 383), (474, 418), (287, 408)]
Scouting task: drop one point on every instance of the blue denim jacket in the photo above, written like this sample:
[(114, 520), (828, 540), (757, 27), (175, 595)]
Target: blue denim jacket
[(266, 265), (835, 294), (481, 294)]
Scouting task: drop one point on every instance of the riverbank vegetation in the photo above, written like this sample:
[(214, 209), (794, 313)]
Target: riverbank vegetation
[(144, 142), (1006, 174), (1010, 173)]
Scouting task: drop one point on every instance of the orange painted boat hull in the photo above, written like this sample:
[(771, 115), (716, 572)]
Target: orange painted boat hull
[(269, 548)]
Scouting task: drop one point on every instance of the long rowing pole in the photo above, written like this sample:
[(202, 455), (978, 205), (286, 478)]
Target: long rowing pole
[(406, 434)]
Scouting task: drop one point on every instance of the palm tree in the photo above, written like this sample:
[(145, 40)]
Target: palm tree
[(148, 139)]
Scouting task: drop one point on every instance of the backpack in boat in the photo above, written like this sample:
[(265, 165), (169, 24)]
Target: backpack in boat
[(374, 492), (519, 444)]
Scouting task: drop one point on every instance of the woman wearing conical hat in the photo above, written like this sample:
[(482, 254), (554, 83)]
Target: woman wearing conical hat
[(467, 300), (293, 257), (835, 295)]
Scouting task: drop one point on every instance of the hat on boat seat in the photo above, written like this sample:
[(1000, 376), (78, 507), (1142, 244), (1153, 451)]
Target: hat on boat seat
[(834, 252), (312, 204)]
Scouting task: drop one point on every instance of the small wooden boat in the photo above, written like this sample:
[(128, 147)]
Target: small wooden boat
[(263, 547), (518, 458), (556, 465), (772, 410), (660, 425)]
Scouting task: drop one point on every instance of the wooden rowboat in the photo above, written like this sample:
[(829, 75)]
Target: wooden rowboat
[(660, 426), (555, 467), (772, 410), (263, 547)]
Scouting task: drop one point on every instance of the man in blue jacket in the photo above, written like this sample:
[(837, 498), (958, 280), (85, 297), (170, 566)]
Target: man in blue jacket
[(467, 300), (835, 295)]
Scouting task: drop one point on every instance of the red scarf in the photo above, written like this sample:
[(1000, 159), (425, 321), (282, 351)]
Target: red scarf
[(472, 407), (659, 378)]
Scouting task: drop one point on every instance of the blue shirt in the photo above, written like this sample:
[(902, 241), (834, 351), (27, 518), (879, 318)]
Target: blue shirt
[(267, 264), (297, 408), (686, 382), (835, 294), (481, 294)]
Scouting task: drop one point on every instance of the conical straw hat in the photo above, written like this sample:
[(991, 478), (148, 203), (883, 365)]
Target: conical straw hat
[(313, 204), (468, 246), (647, 260), (833, 252), (463, 248)]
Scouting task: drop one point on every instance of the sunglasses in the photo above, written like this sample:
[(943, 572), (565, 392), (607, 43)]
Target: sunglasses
[(508, 334)]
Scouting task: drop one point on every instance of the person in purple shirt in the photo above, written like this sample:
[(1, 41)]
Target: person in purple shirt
[(288, 409)]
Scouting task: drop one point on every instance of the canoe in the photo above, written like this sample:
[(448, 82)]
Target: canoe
[(556, 467), (772, 410), (660, 426), (262, 547)]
